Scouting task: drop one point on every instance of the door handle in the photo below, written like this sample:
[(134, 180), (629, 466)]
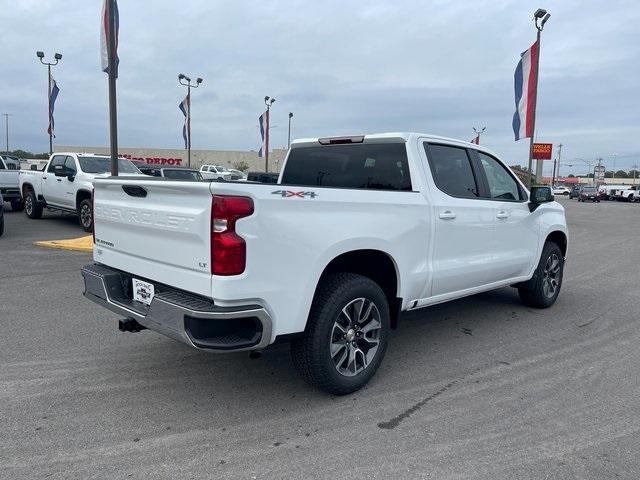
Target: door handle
[(44, 178), (447, 215), (59, 179), (502, 214)]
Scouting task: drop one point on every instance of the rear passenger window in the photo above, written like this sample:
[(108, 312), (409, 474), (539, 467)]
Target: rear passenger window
[(451, 169), (366, 166), (502, 185)]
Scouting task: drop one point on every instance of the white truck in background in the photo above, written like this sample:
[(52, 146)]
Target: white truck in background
[(66, 184), (629, 193), (9, 183), (357, 230)]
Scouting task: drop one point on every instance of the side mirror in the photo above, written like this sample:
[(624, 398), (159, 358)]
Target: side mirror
[(71, 175), (34, 166), (59, 171), (538, 196)]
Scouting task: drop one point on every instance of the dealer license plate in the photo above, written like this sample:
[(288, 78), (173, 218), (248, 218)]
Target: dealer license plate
[(142, 291)]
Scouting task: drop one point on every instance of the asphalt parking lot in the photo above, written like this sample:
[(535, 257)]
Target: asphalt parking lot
[(478, 388)]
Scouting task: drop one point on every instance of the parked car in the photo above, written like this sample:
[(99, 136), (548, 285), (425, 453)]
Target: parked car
[(9, 183), (66, 184), (146, 168), (1, 215), (215, 172), (575, 191), (239, 173), (561, 190), (628, 193), (185, 174), (263, 177), (589, 194), (329, 257)]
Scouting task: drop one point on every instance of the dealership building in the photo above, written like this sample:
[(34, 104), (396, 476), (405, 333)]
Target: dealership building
[(170, 157)]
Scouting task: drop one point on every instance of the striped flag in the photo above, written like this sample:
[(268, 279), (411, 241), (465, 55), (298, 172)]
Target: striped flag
[(263, 120), (185, 107), (476, 140), (104, 36), (53, 95), (525, 93)]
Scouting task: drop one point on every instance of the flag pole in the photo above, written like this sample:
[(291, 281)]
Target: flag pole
[(49, 102), (113, 117), (533, 116)]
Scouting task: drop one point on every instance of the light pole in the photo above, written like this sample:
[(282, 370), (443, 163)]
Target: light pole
[(541, 16), (57, 57), (268, 101), (478, 133), (6, 126), (289, 134), (181, 79)]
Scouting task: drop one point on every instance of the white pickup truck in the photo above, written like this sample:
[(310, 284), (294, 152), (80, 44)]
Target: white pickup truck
[(66, 184), (9, 185), (358, 230), (629, 193)]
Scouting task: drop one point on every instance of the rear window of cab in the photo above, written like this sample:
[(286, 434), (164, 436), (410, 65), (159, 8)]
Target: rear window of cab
[(376, 166)]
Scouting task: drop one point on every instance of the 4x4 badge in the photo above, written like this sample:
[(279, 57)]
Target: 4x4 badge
[(289, 194)]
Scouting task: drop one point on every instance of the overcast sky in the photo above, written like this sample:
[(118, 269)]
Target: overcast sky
[(340, 66)]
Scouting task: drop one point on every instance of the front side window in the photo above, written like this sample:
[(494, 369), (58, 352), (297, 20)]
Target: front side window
[(502, 186), (372, 166), (70, 165), (451, 169), (57, 160)]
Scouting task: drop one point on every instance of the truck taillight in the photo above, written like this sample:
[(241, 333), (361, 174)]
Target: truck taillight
[(228, 249)]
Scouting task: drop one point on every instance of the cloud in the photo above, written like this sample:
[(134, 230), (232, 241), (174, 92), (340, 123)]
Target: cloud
[(340, 66)]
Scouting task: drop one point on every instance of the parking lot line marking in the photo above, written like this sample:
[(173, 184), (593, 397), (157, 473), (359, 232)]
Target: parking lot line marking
[(80, 244)]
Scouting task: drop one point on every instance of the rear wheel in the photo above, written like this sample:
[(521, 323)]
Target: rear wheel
[(544, 287), (346, 335), (17, 205), (85, 212), (31, 206)]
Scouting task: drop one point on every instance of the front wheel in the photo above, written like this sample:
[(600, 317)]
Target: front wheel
[(346, 335), (544, 287), (85, 212)]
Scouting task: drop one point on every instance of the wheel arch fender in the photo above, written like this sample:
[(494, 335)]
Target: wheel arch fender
[(81, 195)]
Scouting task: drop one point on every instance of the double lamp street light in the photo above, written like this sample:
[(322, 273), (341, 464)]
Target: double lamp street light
[(57, 57), (186, 81)]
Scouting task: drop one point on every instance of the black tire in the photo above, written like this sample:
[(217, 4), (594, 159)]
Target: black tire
[(535, 293), (17, 205), (32, 208), (85, 215), (311, 352)]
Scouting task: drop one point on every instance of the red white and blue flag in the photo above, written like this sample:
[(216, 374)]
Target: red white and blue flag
[(185, 107), (476, 140), (53, 95), (263, 121), (104, 36), (525, 93)]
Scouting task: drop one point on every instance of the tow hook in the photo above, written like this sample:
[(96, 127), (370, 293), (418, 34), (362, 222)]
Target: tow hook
[(130, 325), (255, 354)]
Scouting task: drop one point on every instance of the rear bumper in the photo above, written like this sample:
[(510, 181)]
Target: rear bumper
[(185, 317)]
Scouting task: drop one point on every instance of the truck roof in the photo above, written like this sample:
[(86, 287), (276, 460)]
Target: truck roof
[(388, 137), (384, 137)]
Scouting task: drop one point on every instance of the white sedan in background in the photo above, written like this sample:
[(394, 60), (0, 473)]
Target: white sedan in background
[(560, 190)]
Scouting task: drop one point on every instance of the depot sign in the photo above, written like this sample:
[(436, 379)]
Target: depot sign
[(154, 160), (542, 151)]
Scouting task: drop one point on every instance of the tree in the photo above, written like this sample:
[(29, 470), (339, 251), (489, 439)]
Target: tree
[(571, 175), (621, 174), (241, 165)]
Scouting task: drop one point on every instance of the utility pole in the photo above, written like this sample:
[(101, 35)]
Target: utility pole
[(6, 125), (542, 16), (558, 158)]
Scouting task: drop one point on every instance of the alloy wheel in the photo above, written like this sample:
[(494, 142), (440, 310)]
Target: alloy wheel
[(85, 216), (551, 276), (355, 337)]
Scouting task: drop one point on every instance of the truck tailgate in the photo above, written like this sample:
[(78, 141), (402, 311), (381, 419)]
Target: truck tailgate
[(156, 229)]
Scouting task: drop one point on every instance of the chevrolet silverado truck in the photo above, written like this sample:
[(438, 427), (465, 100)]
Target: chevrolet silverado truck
[(66, 184), (357, 230), (9, 184), (629, 193)]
